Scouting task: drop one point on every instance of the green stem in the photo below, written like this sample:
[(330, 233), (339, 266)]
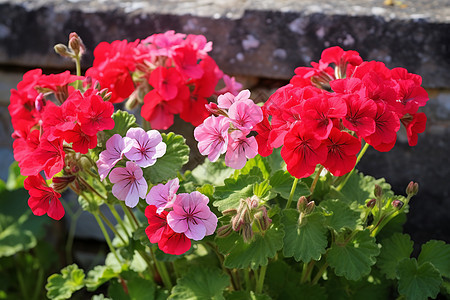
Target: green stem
[(118, 218), (105, 234), (23, 288), (78, 70), (38, 286), (162, 270), (316, 179), (247, 279), (111, 226), (71, 235), (320, 273), (360, 155), (89, 186), (131, 217), (307, 271), (260, 283), (291, 194)]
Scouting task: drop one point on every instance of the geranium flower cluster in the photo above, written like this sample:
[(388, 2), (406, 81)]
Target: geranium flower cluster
[(227, 130), (322, 115), (142, 149), (176, 219), (170, 73), (47, 135)]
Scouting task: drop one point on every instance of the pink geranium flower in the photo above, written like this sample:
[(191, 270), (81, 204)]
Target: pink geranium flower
[(192, 216), (115, 148), (245, 114), (146, 146), (129, 184), (212, 136), (227, 99), (239, 149), (163, 195)]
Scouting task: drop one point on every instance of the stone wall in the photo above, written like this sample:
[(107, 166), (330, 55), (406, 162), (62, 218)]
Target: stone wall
[(262, 41)]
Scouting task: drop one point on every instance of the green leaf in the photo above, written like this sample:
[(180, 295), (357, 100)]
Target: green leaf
[(354, 258), (281, 182), (61, 286), (437, 253), (19, 228), (139, 288), (167, 167), (393, 250), (15, 179), (339, 215), (257, 162), (98, 276), (239, 254), (307, 241), (418, 281), (282, 282), (243, 295), (359, 188), (235, 190), (116, 291), (122, 122), (201, 283), (213, 173)]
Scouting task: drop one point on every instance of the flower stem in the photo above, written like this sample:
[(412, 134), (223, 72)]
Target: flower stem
[(111, 226), (131, 217), (118, 218), (105, 234), (306, 273), (260, 283), (78, 70), (291, 194), (360, 155), (319, 273), (316, 179), (162, 270)]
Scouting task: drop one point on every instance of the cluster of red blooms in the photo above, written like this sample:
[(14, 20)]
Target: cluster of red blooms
[(170, 73), (324, 113), (44, 133)]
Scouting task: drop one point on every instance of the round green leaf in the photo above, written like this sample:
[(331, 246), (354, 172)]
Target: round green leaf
[(61, 286), (340, 215), (239, 254), (417, 282), (201, 283), (393, 250), (355, 258), (437, 253), (306, 241)]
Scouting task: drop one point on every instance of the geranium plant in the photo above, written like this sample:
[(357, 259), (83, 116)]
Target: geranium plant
[(278, 209)]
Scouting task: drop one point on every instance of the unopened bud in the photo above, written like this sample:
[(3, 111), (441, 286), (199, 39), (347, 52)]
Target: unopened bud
[(371, 203), (229, 212), (412, 188), (39, 102), (262, 219), (224, 231), (253, 202), (236, 223), (378, 192), (131, 103), (247, 233), (301, 204), (63, 50), (397, 204), (97, 85), (310, 207), (215, 110), (76, 44), (59, 184)]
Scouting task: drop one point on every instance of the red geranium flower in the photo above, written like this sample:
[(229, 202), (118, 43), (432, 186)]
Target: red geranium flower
[(342, 150), (43, 199)]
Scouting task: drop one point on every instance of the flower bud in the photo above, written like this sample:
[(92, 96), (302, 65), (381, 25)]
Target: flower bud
[(301, 204), (76, 44), (215, 110), (247, 233), (310, 207), (39, 102), (63, 50), (397, 204), (412, 188), (262, 219), (59, 184), (224, 231), (229, 212), (378, 192), (371, 203)]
